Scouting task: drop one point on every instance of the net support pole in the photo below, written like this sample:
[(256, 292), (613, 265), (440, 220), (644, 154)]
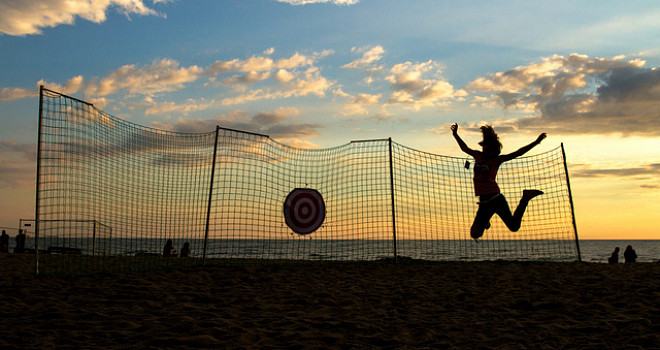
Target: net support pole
[(110, 240), (94, 238), (38, 182), (570, 200), (396, 256), (208, 209)]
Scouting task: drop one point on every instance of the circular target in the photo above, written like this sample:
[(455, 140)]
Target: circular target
[(304, 210)]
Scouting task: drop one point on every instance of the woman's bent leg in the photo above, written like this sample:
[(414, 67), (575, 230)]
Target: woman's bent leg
[(501, 207), (513, 222), (481, 220)]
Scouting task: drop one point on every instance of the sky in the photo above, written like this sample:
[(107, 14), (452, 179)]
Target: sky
[(320, 73)]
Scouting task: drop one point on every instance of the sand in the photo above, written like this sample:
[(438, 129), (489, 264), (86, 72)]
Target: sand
[(410, 305)]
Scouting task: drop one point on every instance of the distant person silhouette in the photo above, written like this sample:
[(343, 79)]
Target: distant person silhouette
[(4, 242), (491, 200), (185, 251), (168, 250), (629, 255), (20, 242), (614, 258)]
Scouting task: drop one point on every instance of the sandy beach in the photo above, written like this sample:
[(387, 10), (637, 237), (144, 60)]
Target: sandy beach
[(410, 305)]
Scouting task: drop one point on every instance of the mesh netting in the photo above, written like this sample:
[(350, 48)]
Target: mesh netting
[(111, 193), (436, 205), (138, 186)]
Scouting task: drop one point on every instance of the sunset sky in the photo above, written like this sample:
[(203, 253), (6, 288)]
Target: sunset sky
[(320, 73)]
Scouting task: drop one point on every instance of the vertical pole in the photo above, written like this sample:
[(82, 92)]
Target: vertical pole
[(396, 256), (110, 247), (208, 209), (94, 238), (36, 208), (570, 199)]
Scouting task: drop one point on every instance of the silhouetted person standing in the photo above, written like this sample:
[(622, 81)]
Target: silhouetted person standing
[(4, 242), (614, 258), (185, 251), (491, 201), (168, 250), (629, 255), (20, 242)]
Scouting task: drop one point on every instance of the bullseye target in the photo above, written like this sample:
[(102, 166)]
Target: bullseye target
[(304, 210)]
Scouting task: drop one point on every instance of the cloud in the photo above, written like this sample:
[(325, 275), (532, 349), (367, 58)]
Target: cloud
[(579, 95), (234, 120), (296, 76), (369, 56), (29, 17), (367, 99), (294, 131), (163, 75), (22, 150), (17, 174), (297, 143), (271, 123), (262, 63), (258, 64), (296, 61), (252, 95), (72, 86), (412, 88), (250, 78), (283, 76), (98, 102), (650, 187), (305, 2), (553, 76), (309, 82), (645, 171), (190, 105), (265, 118), (8, 94), (648, 174), (17, 164), (358, 104), (413, 85)]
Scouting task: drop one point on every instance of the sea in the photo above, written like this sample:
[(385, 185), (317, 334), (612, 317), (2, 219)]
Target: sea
[(598, 251), (592, 251)]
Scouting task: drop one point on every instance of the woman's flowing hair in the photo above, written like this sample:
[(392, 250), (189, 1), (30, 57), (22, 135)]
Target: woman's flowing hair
[(490, 138)]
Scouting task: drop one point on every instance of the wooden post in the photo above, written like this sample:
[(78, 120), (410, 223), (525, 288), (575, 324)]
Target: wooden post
[(570, 199), (208, 209), (38, 182), (396, 256)]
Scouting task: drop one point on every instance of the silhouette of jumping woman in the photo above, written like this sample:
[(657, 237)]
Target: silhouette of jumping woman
[(491, 201)]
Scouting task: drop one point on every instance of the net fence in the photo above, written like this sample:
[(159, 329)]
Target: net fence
[(111, 193)]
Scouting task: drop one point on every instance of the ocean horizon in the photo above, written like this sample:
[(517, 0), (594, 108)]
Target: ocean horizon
[(592, 251)]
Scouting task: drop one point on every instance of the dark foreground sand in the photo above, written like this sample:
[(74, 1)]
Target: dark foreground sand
[(412, 305)]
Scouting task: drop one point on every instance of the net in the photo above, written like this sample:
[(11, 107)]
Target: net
[(111, 193), (142, 185), (435, 208)]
